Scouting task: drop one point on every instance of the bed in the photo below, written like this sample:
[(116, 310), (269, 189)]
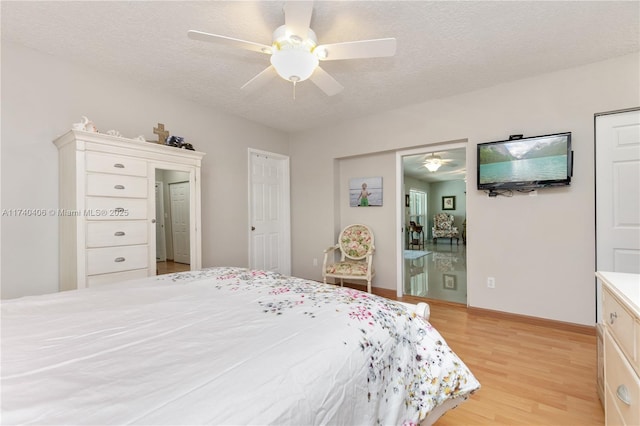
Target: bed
[(224, 346)]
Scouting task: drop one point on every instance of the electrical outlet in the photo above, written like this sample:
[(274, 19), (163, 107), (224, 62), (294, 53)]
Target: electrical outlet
[(491, 282), (315, 261)]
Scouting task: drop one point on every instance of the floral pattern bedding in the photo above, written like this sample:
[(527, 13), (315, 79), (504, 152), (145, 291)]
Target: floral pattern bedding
[(222, 346)]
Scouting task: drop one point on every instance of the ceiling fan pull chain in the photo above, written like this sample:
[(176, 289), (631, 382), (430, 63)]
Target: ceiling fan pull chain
[(294, 90)]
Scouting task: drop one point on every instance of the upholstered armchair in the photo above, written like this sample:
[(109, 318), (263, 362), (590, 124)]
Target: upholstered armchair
[(356, 247), (443, 228)]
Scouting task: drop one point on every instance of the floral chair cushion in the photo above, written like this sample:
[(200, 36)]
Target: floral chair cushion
[(348, 268), (355, 241)]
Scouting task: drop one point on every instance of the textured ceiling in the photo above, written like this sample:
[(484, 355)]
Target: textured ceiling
[(444, 48)]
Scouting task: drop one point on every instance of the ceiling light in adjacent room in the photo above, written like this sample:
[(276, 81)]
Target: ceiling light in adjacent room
[(433, 163)]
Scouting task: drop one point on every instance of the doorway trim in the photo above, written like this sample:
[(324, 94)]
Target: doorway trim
[(285, 207), (161, 255), (400, 202)]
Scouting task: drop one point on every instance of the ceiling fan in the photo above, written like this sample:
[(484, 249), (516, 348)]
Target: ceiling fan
[(433, 162), (295, 53)]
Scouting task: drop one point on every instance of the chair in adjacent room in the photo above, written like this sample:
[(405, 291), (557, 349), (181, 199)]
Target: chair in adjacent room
[(443, 228), (356, 246)]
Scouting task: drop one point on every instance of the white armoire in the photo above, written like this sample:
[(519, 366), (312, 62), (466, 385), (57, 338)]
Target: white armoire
[(107, 209)]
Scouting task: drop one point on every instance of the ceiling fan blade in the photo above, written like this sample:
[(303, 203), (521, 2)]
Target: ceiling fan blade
[(376, 48), (325, 82), (261, 79), (228, 41), (297, 17)]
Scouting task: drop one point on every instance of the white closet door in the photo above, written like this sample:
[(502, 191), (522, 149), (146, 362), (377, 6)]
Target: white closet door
[(179, 196), (269, 242), (618, 192)]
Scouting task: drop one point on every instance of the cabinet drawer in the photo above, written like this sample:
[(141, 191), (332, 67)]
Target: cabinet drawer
[(621, 382), (115, 164), (116, 185), (102, 208), (620, 323), (116, 259), (96, 280), (612, 416), (116, 233)]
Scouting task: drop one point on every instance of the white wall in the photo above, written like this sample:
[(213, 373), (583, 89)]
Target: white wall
[(539, 249), (371, 166), (42, 96)]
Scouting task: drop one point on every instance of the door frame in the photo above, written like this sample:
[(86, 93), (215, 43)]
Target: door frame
[(159, 199), (285, 207), (400, 201)]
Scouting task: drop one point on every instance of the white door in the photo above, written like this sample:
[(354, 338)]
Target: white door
[(617, 194), (269, 216), (161, 246), (179, 197)]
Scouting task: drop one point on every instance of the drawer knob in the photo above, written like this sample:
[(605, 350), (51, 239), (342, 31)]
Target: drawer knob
[(612, 317), (118, 166), (119, 259), (623, 394), (119, 234), (119, 187)]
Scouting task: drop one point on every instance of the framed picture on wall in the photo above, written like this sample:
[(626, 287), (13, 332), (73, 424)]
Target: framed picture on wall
[(449, 202), (365, 192)]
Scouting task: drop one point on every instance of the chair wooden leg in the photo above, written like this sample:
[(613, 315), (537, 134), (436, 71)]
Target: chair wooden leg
[(369, 287)]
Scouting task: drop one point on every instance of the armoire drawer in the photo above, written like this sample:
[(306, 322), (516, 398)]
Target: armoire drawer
[(115, 277), (104, 208), (101, 184), (620, 323), (116, 259), (116, 233), (120, 165), (621, 383)]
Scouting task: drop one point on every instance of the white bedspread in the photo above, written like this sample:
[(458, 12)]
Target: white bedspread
[(222, 346)]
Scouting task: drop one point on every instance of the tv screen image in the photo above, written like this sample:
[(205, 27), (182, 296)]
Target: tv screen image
[(527, 163)]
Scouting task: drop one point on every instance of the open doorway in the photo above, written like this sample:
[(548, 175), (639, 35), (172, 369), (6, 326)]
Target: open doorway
[(431, 267), (172, 222)]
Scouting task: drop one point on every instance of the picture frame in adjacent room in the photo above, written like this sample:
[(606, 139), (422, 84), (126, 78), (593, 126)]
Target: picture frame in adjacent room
[(449, 202), (365, 191)]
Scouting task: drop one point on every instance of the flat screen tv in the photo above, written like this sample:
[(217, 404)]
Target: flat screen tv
[(525, 163)]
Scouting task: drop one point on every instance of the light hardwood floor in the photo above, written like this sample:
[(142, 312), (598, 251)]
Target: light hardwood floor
[(169, 267), (531, 372)]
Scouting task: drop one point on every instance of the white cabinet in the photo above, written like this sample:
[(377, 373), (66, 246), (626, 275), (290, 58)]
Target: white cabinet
[(621, 320), (107, 206)]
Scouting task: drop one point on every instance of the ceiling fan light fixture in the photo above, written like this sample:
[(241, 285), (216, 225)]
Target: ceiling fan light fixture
[(433, 163), (291, 55), (294, 64)]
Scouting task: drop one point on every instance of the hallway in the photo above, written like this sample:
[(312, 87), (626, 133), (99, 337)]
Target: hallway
[(440, 274)]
